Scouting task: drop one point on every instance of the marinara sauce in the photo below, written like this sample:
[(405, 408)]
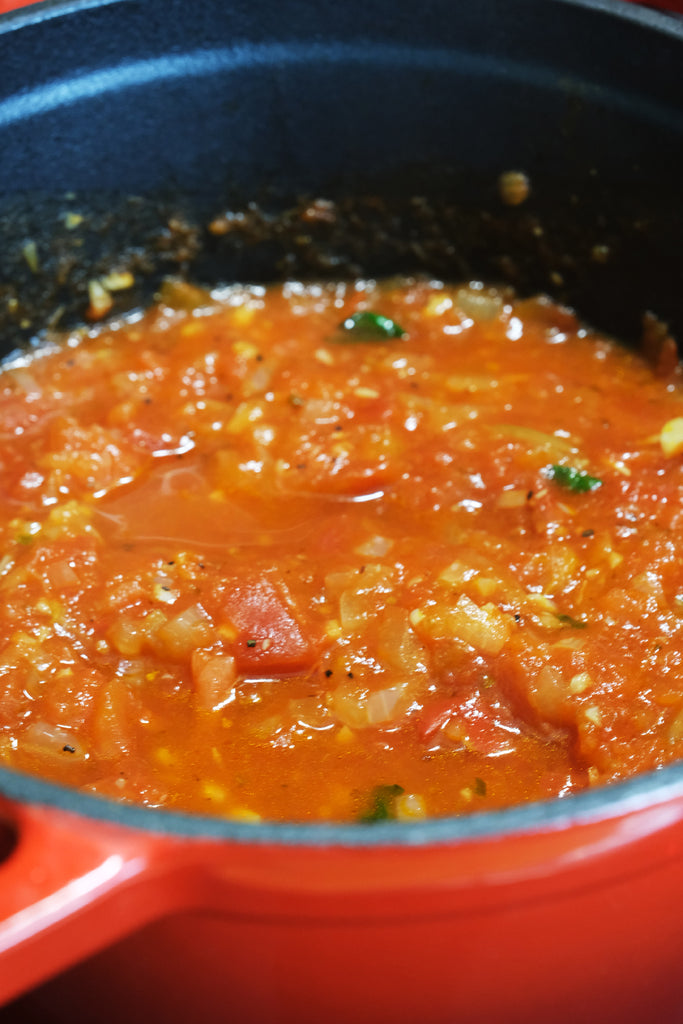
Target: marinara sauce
[(347, 551)]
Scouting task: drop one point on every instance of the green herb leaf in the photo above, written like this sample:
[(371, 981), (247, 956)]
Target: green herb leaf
[(381, 805), (575, 479), (367, 326), (567, 620)]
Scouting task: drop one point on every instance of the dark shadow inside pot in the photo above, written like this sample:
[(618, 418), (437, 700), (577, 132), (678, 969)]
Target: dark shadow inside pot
[(128, 154)]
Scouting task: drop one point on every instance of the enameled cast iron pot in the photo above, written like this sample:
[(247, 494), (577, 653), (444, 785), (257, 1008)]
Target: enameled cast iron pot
[(564, 911)]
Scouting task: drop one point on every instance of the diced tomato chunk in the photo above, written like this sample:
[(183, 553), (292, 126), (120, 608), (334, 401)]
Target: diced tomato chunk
[(271, 636)]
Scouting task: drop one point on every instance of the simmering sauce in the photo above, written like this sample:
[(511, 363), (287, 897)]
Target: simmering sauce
[(348, 551)]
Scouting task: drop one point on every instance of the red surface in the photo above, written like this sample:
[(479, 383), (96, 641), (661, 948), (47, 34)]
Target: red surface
[(581, 923)]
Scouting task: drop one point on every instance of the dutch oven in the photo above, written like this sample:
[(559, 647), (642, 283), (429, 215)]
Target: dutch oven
[(152, 118)]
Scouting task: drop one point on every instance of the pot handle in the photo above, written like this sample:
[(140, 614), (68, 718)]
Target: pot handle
[(71, 886)]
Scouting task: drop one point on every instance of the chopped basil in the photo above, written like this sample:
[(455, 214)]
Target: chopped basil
[(367, 326), (381, 805), (575, 479), (567, 620)]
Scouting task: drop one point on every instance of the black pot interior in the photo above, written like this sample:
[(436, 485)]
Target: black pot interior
[(148, 118), (127, 127)]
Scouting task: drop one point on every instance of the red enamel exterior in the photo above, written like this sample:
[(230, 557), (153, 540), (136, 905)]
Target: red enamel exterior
[(559, 924)]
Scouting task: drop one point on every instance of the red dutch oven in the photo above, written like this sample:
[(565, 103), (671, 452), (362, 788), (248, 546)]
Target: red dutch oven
[(560, 911)]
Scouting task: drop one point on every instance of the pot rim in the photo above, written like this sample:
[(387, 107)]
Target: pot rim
[(646, 791), (635, 10), (641, 793)]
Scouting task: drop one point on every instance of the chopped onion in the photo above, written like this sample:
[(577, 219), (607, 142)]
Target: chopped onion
[(214, 677), (548, 694), (479, 303), (54, 741), (485, 628), (381, 706), (311, 713), (180, 636), (359, 708), (375, 547), (398, 647), (62, 576), (671, 437)]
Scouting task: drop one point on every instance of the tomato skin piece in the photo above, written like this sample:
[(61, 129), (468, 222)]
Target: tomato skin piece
[(477, 720), (270, 634), (435, 717)]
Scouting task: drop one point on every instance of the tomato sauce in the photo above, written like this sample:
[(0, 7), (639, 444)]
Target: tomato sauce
[(345, 552)]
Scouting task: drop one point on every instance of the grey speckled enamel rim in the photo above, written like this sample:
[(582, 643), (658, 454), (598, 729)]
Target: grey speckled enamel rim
[(649, 790)]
